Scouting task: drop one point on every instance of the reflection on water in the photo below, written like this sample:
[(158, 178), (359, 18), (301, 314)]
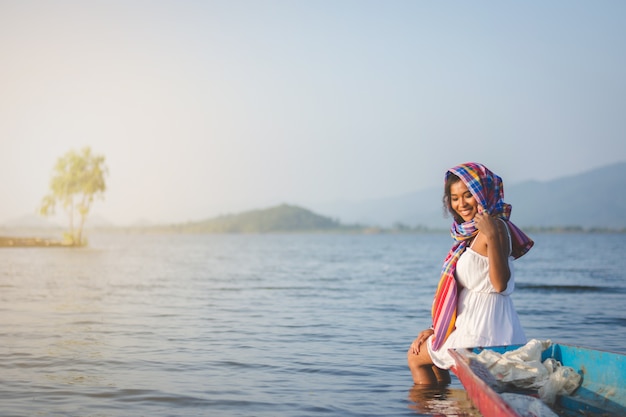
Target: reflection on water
[(274, 326), (441, 401)]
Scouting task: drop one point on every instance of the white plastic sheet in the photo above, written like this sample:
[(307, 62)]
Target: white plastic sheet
[(523, 369)]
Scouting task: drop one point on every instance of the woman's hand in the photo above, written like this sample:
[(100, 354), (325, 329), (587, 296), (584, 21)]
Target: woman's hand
[(486, 224), (417, 343)]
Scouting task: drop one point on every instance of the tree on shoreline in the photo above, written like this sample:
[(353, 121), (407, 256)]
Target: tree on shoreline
[(77, 179)]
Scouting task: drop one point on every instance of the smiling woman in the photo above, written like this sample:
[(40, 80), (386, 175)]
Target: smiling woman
[(463, 204), (479, 264)]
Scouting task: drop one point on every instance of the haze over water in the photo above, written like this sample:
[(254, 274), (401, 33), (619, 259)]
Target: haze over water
[(209, 107)]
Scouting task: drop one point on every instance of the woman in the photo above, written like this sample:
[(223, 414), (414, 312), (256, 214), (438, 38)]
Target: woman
[(472, 306)]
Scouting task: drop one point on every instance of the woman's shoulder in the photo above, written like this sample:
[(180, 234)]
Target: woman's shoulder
[(480, 244)]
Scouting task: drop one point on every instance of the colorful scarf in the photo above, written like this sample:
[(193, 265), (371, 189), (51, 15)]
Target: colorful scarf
[(487, 189)]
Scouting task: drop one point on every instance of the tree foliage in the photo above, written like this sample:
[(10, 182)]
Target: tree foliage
[(77, 179)]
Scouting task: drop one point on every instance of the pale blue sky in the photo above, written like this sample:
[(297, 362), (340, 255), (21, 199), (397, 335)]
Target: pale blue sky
[(206, 107)]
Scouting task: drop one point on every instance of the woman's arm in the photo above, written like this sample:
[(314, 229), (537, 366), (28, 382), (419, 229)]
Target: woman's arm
[(497, 249)]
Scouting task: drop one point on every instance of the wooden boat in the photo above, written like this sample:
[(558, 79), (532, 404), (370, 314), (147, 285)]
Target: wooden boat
[(601, 393)]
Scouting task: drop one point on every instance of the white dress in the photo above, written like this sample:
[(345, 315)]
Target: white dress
[(485, 317)]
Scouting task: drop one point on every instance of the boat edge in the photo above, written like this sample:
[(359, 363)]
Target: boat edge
[(484, 398)]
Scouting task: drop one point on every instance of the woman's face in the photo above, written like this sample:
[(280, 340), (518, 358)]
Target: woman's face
[(462, 201)]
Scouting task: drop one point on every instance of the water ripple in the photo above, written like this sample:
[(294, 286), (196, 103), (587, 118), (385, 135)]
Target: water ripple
[(285, 325)]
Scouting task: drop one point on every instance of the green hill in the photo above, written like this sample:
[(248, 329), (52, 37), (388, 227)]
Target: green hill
[(283, 218)]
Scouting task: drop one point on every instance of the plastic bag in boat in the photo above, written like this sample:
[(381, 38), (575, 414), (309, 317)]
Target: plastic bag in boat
[(523, 368), (563, 380)]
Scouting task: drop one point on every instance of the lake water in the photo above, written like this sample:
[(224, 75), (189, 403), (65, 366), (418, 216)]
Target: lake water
[(265, 325)]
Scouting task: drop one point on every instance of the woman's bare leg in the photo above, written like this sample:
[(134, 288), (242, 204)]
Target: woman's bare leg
[(442, 375), (421, 366)]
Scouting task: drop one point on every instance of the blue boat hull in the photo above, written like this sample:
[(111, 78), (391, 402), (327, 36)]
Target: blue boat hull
[(603, 388)]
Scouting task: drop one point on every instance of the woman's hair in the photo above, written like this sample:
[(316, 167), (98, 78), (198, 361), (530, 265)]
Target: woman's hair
[(447, 206)]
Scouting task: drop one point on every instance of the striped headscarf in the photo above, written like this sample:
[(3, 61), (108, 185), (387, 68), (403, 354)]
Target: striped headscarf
[(487, 189)]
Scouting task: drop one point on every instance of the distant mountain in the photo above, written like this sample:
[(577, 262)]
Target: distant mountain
[(592, 199), (589, 200), (421, 208), (283, 218)]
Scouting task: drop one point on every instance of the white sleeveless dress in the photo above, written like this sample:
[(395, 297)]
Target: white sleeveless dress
[(485, 317)]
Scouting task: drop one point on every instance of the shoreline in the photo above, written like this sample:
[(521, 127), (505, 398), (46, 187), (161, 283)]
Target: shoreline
[(26, 242), (20, 238)]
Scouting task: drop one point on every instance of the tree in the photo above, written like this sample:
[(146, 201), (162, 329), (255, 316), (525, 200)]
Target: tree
[(77, 179)]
